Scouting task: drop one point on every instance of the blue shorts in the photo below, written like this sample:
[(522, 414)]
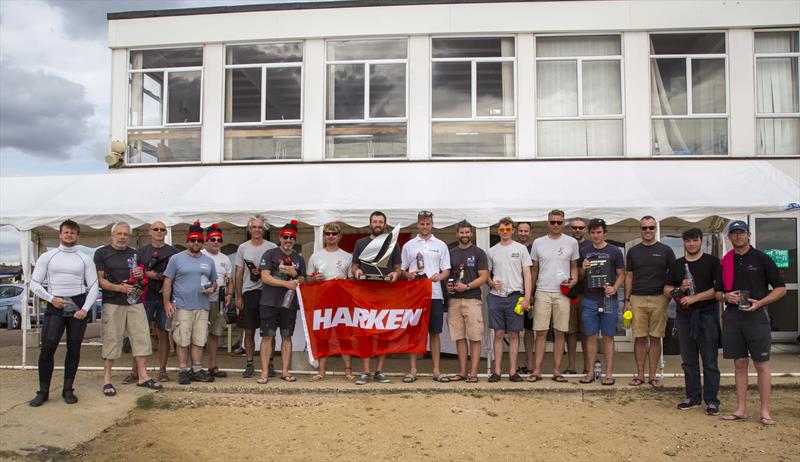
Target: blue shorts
[(594, 322), (155, 312), (501, 313)]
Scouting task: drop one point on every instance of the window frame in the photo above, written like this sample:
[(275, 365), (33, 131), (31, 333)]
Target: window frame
[(262, 122), (581, 116), (690, 114), (772, 115), (165, 107), (366, 120), (473, 95)]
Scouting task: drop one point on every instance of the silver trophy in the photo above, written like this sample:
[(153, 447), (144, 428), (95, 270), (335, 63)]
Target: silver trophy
[(378, 252)]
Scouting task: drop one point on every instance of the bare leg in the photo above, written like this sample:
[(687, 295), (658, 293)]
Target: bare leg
[(141, 363), (558, 350), (513, 352), (365, 362), (286, 355), (461, 349), (764, 386), (572, 345), (639, 353), (107, 365), (183, 355), (541, 346), (323, 362), (197, 355), (266, 354), (654, 356), (412, 359), (213, 345), (436, 346), (381, 360), (608, 345), (740, 366), (163, 349), (590, 352), (475, 358), (498, 350), (249, 341), (528, 340)]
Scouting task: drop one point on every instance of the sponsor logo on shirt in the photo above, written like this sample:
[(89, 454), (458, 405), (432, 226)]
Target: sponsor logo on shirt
[(471, 262), (751, 267), (203, 265), (515, 255)]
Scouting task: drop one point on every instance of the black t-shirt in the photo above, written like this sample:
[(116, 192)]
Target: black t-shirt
[(271, 261), (470, 261), (361, 244), (609, 259), (116, 265), (753, 271), (155, 259), (705, 272), (650, 265)]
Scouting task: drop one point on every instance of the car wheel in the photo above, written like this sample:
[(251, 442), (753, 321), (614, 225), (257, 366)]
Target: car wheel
[(16, 320)]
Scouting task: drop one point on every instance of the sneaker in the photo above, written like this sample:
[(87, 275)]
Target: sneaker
[(381, 377), (515, 377), (249, 370), (363, 379), (271, 370), (524, 370), (712, 409), (687, 404), (201, 376), (184, 377)]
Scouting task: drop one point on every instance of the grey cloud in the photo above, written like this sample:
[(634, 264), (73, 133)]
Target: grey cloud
[(42, 114)]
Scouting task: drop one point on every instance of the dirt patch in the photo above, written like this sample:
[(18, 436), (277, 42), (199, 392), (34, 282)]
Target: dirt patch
[(464, 425)]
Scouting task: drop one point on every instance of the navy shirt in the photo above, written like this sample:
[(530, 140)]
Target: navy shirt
[(611, 258), (650, 265)]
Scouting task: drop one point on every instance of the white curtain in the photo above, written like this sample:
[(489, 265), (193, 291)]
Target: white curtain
[(777, 92), (661, 106)]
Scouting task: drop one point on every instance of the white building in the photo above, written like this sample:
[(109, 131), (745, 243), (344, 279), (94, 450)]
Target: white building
[(685, 110)]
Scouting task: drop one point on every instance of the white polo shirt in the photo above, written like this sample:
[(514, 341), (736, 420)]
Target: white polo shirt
[(435, 255)]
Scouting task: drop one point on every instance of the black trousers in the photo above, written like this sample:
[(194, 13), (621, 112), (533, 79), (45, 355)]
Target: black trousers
[(53, 330)]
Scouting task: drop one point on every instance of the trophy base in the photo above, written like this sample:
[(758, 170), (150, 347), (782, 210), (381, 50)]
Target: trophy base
[(375, 277)]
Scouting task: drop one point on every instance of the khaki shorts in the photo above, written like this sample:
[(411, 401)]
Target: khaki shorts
[(465, 319), (190, 327), (548, 305), (216, 321), (575, 317), (649, 315), (120, 321)]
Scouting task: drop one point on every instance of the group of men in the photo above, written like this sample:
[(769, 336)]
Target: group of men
[(567, 282)]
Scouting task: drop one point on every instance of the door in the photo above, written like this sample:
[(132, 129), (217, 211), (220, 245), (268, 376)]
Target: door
[(778, 235)]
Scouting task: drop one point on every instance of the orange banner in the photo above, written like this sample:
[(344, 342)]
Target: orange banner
[(365, 318)]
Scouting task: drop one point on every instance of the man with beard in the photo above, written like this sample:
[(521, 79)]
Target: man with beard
[(697, 320), (72, 289), (189, 279), (282, 269), (465, 309), (154, 258), (377, 225), (248, 288)]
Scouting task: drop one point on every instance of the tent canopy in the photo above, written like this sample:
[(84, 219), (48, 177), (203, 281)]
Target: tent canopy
[(480, 192)]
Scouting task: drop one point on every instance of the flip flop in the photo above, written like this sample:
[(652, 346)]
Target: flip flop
[(656, 384), (636, 382), (456, 378), (441, 378), (109, 390), (289, 378), (559, 378), (472, 379), (534, 378), (767, 422), (410, 378), (262, 380), (586, 380), (608, 381), (733, 418), (317, 378), (151, 384)]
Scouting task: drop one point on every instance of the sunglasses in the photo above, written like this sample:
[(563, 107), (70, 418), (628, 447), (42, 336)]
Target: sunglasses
[(425, 214), (556, 222), (505, 230), (215, 239), (331, 233), (159, 230), (195, 240), (579, 228), (289, 238), (647, 228)]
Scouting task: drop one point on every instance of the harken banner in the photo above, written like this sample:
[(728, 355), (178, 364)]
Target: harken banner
[(365, 318)]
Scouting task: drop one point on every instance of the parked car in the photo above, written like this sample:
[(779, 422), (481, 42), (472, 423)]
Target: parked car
[(11, 306)]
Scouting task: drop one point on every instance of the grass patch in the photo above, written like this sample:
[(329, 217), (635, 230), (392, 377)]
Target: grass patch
[(148, 401)]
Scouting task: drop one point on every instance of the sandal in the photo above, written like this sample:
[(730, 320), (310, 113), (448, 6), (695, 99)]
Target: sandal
[(656, 384), (441, 378), (559, 378), (534, 378), (289, 378), (262, 380), (348, 375), (133, 377), (317, 378), (215, 372), (109, 390), (608, 381), (768, 422), (636, 382), (733, 418), (456, 378), (472, 379), (410, 378), (495, 377), (586, 379), (151, 384)]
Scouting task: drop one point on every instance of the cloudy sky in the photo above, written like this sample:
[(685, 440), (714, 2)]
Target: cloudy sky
[(55, 89)]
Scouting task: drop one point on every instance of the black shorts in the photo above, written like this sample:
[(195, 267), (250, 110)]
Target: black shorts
[(275, 317), (249, 317), (746, 335), (437, 316)]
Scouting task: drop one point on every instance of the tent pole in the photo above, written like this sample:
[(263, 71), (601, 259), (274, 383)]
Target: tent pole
[(25, 263), (661, 363), (482, 241)]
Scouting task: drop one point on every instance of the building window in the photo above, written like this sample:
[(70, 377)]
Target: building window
[(689, 94), (777, 92), (165, 88), (579, 96), (366, 115), (263, 101), (473, 83)]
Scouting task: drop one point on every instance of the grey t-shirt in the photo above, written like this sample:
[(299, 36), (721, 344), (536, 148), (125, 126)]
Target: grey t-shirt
[(252, 254), (334, 265), (506, 263), (554, 257), (272, 261), (186, 272)]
